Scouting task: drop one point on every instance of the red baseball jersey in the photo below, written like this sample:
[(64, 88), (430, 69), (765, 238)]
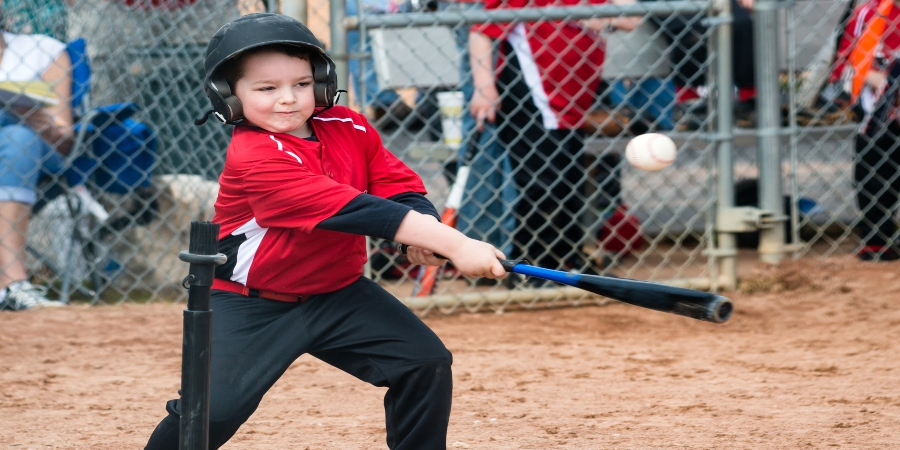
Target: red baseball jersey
[(887, 50), (561, 60), (274, 190), (890, 41)]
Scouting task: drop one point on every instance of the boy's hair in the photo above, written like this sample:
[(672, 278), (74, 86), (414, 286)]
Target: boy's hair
[(233, 69)]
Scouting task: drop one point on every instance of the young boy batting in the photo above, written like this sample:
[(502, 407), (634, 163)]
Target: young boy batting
[(304, 181)]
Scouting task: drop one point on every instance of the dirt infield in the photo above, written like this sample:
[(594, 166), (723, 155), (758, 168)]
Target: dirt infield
[(809, 360)]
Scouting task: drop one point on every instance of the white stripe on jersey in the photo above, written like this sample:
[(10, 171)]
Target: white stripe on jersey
[(281, 147), (341, 119), (247, 249), (519, 42)]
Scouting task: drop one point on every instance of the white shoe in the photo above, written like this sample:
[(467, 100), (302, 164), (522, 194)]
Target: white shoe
[(23, 295)]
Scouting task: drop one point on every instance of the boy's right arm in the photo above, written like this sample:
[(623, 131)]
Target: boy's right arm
[(471, 257)]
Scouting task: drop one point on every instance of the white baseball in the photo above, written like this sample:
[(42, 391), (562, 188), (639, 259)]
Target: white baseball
[(651, 151)]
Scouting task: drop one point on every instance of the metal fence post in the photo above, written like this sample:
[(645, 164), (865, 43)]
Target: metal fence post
[(724, 79), (296, 9), (768, 108), (338, 11)]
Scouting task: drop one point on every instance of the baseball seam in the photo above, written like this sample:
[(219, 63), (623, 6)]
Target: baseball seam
[(653, 155)]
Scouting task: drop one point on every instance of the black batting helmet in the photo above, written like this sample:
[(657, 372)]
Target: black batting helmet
[(257, 30)]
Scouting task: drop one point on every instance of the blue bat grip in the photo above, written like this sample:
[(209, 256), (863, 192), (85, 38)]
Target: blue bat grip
[(553, 275)]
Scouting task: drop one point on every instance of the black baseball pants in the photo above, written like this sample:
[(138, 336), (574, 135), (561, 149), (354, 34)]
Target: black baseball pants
[(360, 329), (549, 173), (876, 176)]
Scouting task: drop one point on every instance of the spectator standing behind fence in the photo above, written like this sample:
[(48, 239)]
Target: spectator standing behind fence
[(688, 57), (539, 95), (33, 140), (304, 182), (876, 171)]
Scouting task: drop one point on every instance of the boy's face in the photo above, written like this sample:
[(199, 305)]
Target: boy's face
[(276, 92)]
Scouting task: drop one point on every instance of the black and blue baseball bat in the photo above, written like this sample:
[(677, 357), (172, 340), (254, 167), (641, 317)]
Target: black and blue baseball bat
[(698, 305)]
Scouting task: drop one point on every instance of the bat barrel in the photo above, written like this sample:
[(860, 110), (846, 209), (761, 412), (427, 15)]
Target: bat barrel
[(698, 305), (719, 310)]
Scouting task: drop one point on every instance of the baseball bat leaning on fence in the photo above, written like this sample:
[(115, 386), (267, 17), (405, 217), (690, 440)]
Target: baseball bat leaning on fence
[(427, 279), (698, 305)]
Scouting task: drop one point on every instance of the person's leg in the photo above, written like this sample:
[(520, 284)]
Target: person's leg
[(23, 156), (658, 97), (619, 94), (486, 210), (742, 49), (253, 343), (687, 53), (549, 173), (566, 200), (366, 332), (14, 218), (875, 176)]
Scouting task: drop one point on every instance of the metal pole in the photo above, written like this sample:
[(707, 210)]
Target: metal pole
[(296, 9), (522, 15), (768, 106), (338, 9), (195, 356), (792, 126), (727, 248)]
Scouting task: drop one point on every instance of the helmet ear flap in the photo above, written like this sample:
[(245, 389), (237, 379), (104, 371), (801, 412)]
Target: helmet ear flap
[(325, 77), (227, 106)]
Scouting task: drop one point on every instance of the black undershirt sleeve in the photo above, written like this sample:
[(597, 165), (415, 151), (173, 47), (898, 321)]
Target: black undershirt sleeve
[(417, 202), (369, 215)]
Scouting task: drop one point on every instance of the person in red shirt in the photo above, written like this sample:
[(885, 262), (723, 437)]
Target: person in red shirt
[(539, 94), (304, 181), (876, 165)]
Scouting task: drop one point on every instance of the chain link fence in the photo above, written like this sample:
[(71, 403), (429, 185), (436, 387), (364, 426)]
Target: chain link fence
[(564, 199)]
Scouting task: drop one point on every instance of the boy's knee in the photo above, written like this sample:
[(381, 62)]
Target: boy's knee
[(433, 371), (226, 419)]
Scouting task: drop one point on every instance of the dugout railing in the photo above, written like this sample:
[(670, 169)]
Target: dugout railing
[(738, 193)]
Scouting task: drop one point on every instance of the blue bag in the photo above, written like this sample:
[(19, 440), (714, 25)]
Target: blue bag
[(123, 151)]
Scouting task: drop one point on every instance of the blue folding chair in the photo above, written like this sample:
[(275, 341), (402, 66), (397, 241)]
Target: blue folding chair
[(114, 153)]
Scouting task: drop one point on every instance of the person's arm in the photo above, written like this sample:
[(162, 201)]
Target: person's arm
[(423, 233), (373, 216), (55, 123), (426, 236), (485, 98), (876, 79)]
